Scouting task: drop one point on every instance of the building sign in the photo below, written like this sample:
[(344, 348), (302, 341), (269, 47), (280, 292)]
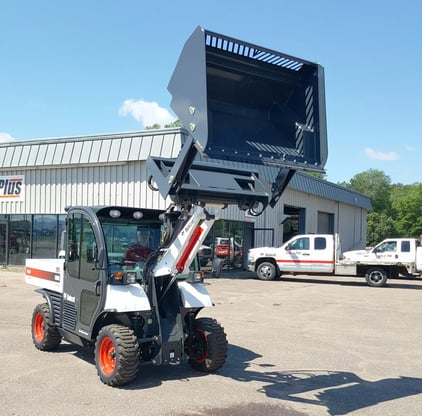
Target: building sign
[(12, 188)]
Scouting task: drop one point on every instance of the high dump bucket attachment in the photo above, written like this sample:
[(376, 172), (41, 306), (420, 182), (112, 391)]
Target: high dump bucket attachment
[(242, 103)]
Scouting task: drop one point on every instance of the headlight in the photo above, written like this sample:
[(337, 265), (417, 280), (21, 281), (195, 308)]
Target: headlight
[(130, 278), (124, 278), (195, 277)]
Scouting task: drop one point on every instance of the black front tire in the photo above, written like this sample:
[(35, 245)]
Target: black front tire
[(45, 335), (376, 277), (207, 347), (266, 271), (117, 355)]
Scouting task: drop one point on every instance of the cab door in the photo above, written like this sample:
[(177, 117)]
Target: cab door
[(295, 256), (82, 282), (323, 254), (307, 254)]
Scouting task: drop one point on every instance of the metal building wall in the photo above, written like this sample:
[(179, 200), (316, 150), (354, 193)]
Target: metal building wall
[(97, 170), (49, 191)]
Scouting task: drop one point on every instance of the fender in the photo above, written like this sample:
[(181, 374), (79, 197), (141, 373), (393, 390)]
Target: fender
[(46, 294), (126, 298), (194, 295)]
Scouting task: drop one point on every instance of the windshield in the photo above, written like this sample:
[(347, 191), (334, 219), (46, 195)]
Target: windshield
[(386, 246), (119, 237), (130, 236), (129, 242)]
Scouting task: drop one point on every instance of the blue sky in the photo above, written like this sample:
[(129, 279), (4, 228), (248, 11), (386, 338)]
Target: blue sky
[(90, 67)]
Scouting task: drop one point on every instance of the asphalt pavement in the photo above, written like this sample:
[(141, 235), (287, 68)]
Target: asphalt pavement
[(297, 346)]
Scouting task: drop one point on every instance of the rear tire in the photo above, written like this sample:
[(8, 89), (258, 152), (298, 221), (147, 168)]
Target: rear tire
[(207, 348), (45, 335), (117, 355), (376, 277), (266, 271)]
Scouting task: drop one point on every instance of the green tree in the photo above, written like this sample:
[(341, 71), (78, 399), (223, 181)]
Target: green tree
[(407, 205), (156, 126), (397, 208), (375, 184), (175, 123), (379, 226)]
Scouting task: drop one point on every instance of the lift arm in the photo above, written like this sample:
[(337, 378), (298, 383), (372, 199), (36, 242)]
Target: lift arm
[(244, 106)]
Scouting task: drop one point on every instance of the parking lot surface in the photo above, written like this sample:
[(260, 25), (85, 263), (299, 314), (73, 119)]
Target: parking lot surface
[(297, 346)]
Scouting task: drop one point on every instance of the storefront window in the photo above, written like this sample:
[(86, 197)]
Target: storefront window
[(19, 239), (44, 236), (224, 242)]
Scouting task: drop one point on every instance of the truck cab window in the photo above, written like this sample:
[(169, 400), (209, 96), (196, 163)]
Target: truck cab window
[(320, 243), (405, 246), (387, 246), (300, 244)]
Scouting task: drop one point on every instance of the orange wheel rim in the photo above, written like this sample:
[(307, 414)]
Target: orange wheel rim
[(39, 327), (107, 356)]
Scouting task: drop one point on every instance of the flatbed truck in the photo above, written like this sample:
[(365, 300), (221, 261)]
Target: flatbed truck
[(321, 254)]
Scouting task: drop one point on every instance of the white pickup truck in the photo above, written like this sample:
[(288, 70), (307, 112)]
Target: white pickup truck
[(398, 250), (321, 254)]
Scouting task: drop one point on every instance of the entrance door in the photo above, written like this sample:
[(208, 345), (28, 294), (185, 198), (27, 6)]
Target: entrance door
[(82, 277)]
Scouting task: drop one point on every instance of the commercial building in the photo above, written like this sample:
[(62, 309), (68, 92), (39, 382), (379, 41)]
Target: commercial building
[(39, 178)]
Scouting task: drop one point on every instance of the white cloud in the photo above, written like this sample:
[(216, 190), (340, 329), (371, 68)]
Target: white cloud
[(147, 113), (6, 137), (372, 154), (410, 148)]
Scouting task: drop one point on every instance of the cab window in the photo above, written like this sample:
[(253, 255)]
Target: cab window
[(81, 250), (320, 243), (300, 244)]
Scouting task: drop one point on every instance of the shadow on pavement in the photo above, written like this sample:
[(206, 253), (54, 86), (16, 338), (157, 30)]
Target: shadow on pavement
[(339, 392)]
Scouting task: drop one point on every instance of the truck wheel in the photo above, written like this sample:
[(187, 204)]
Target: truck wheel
[(266, 271), (117, 355), (207, 347), (376, 277), (46, 337)]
